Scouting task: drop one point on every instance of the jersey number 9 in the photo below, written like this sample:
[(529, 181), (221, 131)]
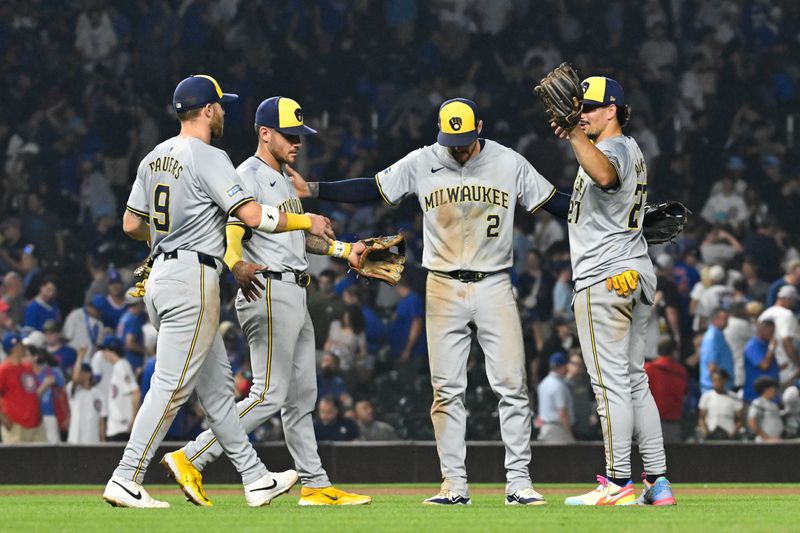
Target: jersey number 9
[(161, 208)]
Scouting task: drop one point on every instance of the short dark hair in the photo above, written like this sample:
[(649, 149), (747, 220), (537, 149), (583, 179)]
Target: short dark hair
[(763, 383), (666, 346), (722, 373), (623, 115)]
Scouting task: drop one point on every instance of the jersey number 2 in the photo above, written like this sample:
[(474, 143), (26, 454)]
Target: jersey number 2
[(641, 196), (494, 223), (161, 208)]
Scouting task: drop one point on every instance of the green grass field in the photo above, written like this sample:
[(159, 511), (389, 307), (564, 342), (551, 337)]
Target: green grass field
[(709, 508)]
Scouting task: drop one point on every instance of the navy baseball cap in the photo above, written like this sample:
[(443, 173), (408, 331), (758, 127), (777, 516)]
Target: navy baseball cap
[(282, 114), (458, 122), (600, 91), (11, 339), (113, 343), (558, 359), (197, 91)]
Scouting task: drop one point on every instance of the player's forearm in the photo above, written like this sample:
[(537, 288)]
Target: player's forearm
[(791, 351), (268, 219), (558, 205), (592, 160), (347, 191), (413, 334), (319, 246), (135, 226), (234, 234)]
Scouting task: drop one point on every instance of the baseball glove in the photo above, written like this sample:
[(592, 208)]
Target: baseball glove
[(561, 93), (663, 222), (141, 273), (379, 262)]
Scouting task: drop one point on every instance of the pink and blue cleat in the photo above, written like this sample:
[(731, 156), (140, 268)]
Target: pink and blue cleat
[(658, 493)]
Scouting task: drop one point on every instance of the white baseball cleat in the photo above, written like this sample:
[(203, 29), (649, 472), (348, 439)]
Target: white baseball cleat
[(262, 491), (121, 492), (525, 497)]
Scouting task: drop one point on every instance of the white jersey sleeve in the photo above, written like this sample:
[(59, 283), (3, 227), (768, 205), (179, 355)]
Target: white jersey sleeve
[(399, 180), (221, 182), (619, 156), (533, 189)]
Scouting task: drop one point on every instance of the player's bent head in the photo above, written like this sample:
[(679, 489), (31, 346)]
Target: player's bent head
[(459, 124)]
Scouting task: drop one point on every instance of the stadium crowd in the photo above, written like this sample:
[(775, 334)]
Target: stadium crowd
[(714, 94)]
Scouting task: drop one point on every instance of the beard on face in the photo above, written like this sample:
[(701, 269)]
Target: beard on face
[(217, 125)]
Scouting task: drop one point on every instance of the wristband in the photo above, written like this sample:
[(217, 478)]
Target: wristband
[(340, 249), (269, 218), (295, 222)]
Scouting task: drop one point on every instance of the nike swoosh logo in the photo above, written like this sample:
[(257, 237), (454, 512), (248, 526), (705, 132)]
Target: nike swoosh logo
[(274, 484), (137, 496), (332, 498), (435, 170), (272, 183)]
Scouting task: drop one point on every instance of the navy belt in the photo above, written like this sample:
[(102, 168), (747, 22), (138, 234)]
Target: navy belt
[(203, 259), (468, 276), (302, 279)]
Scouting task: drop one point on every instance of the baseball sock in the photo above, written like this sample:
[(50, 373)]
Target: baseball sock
[(651, 478), (621, 481)]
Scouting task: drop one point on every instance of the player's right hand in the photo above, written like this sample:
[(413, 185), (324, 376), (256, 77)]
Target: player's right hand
[(299, 182), (624, 283), (321, 227), (248, 278)]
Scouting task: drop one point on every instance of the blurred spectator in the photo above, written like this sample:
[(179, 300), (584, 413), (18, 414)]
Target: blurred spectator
[(791, 277), (785, 332), (82, 328), (112, 304), (759, 358), (737, 334), (714, 351), (369, 428), (763, 417), (55, 345), (329, 380), (324, 306), (330, 426), (31, 271), (13, 295), (406, 331), (791, 403), (669, 384), (129, 329), (535, 296), (124, 396), (716, 295), (562, 293), (374, 328), (720, 410), (556, 407), (727, 206), (50, 378), (580, 387), (11, 244), (86, 406), (20, 416), (44, 306), (563, 339), (346, 340)]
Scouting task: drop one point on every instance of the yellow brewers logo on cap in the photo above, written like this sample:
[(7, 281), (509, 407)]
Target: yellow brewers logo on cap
[(456, 117), (290, 114)]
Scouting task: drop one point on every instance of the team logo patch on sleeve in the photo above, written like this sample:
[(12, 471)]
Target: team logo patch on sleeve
[(234, 190)]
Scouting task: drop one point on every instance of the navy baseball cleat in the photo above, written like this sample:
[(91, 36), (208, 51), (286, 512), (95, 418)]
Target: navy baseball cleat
[(525, 497), (448, 497), (658, 493)]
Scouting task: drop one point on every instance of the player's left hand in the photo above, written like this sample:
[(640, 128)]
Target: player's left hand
[(356, 249), (624, 283), (247, 277)]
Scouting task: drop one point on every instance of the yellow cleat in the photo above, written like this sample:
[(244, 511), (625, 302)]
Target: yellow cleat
[(189, 478), (331, 496)]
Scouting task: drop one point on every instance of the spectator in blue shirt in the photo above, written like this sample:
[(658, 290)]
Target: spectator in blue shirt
[(759, 358), (111, 305), (43, 307), (407, 330), (714, 350), (792, 277), (130, 331), (329, 425), (374, 328), (48, 375), (329, 382), (54, 339)]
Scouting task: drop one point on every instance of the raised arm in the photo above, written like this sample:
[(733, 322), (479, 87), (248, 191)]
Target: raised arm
[(347, 191)]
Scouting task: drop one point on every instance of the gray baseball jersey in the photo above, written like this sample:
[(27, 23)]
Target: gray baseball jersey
[(468, 210), (605, 226), (186, 188), (279, 251)]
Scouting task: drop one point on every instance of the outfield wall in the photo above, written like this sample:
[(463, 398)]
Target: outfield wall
[(416, 462)]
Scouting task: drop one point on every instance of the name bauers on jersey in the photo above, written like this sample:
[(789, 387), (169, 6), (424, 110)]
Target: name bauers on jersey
[(166, 164), (466, 193)]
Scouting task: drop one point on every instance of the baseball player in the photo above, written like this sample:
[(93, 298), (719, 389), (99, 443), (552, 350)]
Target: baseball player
[(615, 286), (275, 319), (468, 189), (183, 192)]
